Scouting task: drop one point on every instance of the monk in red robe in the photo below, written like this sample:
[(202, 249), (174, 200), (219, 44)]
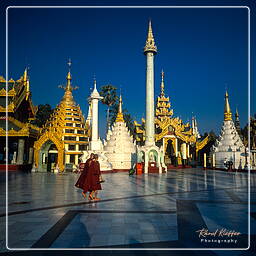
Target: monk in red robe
[(96, 177), (81, 182)]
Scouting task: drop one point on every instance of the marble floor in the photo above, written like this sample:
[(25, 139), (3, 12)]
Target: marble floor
[(189, 209)]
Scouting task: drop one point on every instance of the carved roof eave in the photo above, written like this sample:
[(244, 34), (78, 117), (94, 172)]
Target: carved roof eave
[(11, 93), (32, 129), (10, 108), (202, 144), (24, 132), (179, 128)]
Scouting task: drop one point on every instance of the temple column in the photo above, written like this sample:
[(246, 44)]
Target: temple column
[(21, 147), (94, 120), (176, 147), (184, 150), (76, 159), (204, 160), (150, 50), (213, 160), (150, 112), (94, 99), (67, 159), (30, 156), (184, 153)]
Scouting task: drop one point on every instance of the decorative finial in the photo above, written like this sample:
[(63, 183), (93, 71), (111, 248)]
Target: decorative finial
[(94, 82), (120, 104), (69, 63), (150, 42), (162, 84), (227, 110), (120, 116), (25, 75), (237, 115), (68, 87)]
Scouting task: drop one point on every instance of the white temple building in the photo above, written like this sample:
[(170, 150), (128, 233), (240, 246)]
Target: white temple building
[(229, 146), (119, 146)]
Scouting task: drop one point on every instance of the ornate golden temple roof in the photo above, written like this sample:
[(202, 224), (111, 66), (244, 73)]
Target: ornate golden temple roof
[(19, 94), (150, 45), (67, 121), (163, 104)]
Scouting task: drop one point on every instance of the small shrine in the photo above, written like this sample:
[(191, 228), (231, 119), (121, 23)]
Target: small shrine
[(119, 144), (229, 146), (64, 137)]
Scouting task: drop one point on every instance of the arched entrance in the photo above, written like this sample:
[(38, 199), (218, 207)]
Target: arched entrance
[(48, 157), (49, 152), (170, 153)]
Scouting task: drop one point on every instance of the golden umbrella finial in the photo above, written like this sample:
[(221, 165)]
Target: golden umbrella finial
[(227, 110), (150, 42), (120, 116)]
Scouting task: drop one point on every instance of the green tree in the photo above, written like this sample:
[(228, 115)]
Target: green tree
[(212, 136), (43, 114), (108, 92)]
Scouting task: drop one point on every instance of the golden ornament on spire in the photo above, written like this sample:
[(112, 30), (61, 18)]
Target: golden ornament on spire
[(69, 78), (25, 75), (150, 42), (120, 116), (227, 110), (162, 84), (68, 97)]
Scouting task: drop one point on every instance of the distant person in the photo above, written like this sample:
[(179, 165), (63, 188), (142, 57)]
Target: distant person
[(83, 180)]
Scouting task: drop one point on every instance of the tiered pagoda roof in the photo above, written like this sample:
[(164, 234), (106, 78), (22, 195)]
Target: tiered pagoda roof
[(15, 99), (163, 105), (67, 121)]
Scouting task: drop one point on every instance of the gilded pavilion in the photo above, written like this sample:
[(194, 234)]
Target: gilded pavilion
[(64, 137), (176, 137), (16, 113)]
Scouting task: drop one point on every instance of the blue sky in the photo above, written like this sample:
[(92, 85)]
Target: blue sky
[(202, 52)]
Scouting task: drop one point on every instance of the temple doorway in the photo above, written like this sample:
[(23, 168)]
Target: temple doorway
[(170, 153), (48, 157)]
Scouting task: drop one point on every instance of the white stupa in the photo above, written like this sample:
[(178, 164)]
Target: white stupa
[(119, 146), (229, 146)]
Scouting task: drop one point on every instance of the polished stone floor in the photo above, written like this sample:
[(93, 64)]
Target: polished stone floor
[(145, 211)]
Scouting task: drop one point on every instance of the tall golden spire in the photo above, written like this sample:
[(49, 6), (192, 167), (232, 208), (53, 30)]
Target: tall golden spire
[(120, 116), (162, 84), (150, 42), (68, 97), (227, 110)]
